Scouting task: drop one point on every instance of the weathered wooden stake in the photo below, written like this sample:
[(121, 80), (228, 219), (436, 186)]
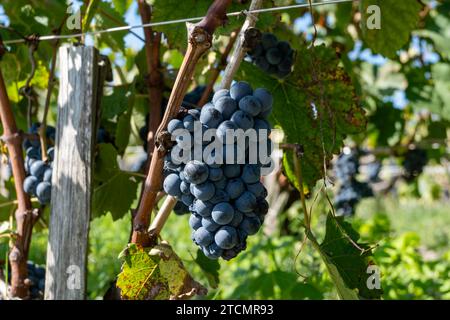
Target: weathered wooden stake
[(72, 191)]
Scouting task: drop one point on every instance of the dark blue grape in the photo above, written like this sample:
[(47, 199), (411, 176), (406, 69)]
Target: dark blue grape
[(171, 185), (196, 172), (243, 120), (202, 208), (222, 213), (246, 202), (203, 191), (232, 170), (274, 56), (215, 174), (44, 192), (251, 105), (219, 94), (239, 90), (211, 117), (268, 40), (209, 224), (226, 237), (235, 188), (203, 237), (250, 225), (251, 173), (37, 169), (195, 222), (226, 106), (29, 185)]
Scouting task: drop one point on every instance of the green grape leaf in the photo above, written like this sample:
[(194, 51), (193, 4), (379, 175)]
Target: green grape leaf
[(155, 274), (116, 103), (123, 129), (386, 120), (165, 10), (397, 19), (107, 17), (209, 267), (347, 264), (315, 111), (115, 190), (441, 75)]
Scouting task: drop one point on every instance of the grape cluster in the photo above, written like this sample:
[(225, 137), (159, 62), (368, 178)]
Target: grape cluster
[(351, 191), (36, 275), (273, 56), (413, 164), (226, 200), (38, 181)]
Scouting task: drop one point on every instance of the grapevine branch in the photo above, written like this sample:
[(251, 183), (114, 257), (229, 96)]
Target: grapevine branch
[(155, 79), (24, 214), (240, 48), (199, 41)]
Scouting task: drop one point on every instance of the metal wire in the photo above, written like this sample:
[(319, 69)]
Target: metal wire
[(161, 23)]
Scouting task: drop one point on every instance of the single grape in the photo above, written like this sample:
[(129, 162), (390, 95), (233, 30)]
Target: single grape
[(37, 169), (269, 40), (195, 221), (246, 202), (285, 65), (215, 174), (232, 170), (203, 237), (29, 185), (196, 172), (226, 129), (251, 173), (226, 106), (174, 124), (213, 251), (188, 123), (226, 237), (222, 213), (235, 188), (220, 196), (210, 117), (48, 175), (187, 199), (237, 219), (203, 191), (274, 56), (264, 97), (262, 63), (257, 189), (51, 153), (202, 208), (209, 224), (242, 119), (239, 90), (221, 184), (251, 105), (284, 47), (44, 192), (219, 94), (171, 185), (33, 152), (250, 225)]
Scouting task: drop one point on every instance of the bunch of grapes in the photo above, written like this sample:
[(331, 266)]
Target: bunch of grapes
[(414, 162), (351, 191), (36, 275), (226, 200), (273, 56), (38, 181)]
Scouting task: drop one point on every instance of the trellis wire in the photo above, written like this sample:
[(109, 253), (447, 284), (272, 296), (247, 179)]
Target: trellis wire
[(161, 23)]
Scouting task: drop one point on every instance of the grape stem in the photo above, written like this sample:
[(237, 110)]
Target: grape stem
[(240, 49), (24, 217), (199, 41), (162, 216)]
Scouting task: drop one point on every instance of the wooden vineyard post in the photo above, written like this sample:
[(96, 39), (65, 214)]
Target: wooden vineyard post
[(80, 88)]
